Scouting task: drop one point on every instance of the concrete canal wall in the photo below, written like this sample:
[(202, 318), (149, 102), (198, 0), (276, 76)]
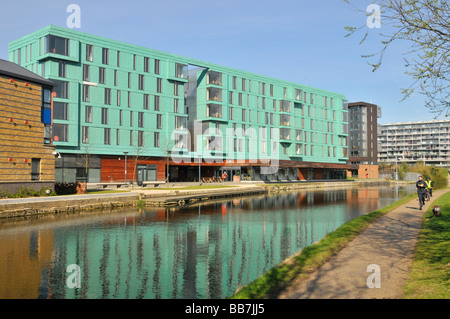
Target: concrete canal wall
[(24, 207)]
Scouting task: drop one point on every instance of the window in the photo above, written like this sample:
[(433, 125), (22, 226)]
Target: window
[(104, 115), (88, 116), (129, 80), (105, 56), (118, 58), (180, 71), (101, 75), (62, 89), (89, 52), (107, 136), (231, 113), (86, 72), (107, 96), (159, 85), (234, 83), (146, 101), (129, 99), (131, 118), (86, 92), (140, 138), (176, 89), (176, 105), (243, 85), (57, 45), (60, 111), (131, 138), (146, 64), (134, 62), (156, 139), (19, 56), (156, 103), (240, 99), (158, 121), (141, 119), (141, 82), (120, 117), (115, 77), (157, 65), (117, 137), (85, 135), (62, 69), (271, 90), (60, 132), (35, 168)]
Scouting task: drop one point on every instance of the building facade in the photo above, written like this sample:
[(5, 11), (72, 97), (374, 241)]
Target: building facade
[(411, 142), (363, 139), (26, 152), (166, 113)]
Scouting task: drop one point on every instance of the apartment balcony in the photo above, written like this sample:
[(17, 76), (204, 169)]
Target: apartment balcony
[(215, 112), (285, 106), (285, 135), (214, 78), (214, 94), (285, 120)]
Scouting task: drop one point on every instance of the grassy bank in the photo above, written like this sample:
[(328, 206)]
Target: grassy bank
[(430, 270), (300, 266)]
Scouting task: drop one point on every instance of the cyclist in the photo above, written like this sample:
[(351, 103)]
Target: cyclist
[(430, 185)]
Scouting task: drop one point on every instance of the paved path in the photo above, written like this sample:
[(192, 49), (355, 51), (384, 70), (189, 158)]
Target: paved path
[(389, 242)]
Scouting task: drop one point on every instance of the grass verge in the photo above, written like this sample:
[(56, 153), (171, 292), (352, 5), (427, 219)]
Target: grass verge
[(300, 266), (430, 270)]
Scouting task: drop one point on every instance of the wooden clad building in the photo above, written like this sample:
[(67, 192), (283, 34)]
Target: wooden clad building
[(27, 156)]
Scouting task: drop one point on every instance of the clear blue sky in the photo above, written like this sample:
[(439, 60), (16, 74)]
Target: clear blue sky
[(302, 41)]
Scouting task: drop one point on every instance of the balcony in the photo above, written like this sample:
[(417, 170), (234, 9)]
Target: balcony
[(285, 106), (285, 135), (214, 78), (181, 71), (214, 94), (285, 120), (214, 111), (180, 123)]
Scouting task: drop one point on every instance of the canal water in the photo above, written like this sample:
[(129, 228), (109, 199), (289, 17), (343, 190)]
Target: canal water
[(203, 251)]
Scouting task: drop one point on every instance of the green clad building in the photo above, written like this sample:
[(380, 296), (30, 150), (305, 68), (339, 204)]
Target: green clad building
[(125, 112)]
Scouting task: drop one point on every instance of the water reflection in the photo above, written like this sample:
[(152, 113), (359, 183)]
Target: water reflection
[(204, 251)]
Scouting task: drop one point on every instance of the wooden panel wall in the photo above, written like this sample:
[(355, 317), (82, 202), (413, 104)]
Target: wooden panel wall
[(113, 169)]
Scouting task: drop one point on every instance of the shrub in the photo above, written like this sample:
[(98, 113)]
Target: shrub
[(65, 188)]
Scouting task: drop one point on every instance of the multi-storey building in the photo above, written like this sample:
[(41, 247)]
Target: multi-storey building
[(26, 152), (415, 141), (167, 112), (362, 138)]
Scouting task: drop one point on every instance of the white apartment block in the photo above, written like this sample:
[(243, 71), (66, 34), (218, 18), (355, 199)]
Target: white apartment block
[(415, 141)]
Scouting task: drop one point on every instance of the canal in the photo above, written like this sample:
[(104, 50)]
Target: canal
[(203, 251)]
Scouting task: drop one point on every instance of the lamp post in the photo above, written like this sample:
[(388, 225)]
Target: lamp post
[(125, 167), (199, 169)]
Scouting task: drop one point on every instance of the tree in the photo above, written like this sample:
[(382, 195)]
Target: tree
[(424, 25)]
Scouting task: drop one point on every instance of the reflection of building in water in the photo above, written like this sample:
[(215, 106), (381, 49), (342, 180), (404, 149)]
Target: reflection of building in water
[(196, 252), (23, 259)]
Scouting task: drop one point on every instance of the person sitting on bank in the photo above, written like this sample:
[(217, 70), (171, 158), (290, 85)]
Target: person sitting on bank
[(430, 186), (421, 187)]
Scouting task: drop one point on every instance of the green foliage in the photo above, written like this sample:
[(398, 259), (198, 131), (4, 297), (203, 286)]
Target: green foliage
[(430, 271), (438, 175), (27, 192)]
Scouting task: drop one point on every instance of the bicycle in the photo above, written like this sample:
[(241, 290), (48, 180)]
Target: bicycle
[(428, 195)]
